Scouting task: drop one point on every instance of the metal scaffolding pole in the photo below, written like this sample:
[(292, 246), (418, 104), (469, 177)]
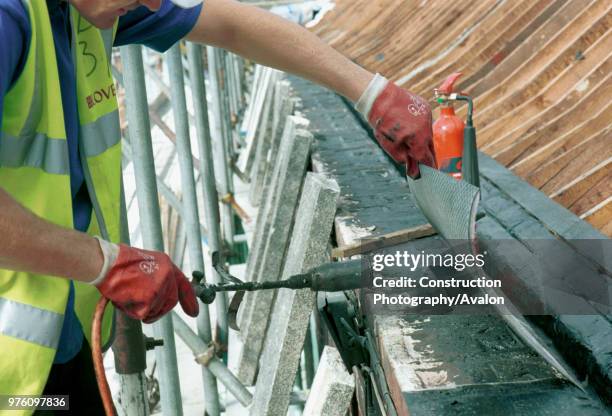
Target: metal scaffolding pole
[(209, 190), (228, 129), (137, 111), (231, 93), (190, 209), (221, 154), (129, 350), (203, 357), (238, 80), (235, 82), (164, 190)]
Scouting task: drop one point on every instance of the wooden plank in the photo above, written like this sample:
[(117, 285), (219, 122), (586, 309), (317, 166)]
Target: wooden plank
[(583, 135), (472, 49), (577, 166), (545, 132), (398, 372), (607, 229), (600, 216), (531, 46), (549, 85), (381, 241), (574, 190), (542, 126), (421, 31), (529, 102), (554, 57), (501, 42), (596, 187), (580, 156), (531, 24)]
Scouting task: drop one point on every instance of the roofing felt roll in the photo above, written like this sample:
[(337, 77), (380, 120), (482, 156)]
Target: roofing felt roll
[(449, 205)]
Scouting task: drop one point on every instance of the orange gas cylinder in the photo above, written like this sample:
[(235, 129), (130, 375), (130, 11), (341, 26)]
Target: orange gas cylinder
[(448, 131)]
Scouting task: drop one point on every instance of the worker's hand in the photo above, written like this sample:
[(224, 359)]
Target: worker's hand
[(402, 123), (143, 284)]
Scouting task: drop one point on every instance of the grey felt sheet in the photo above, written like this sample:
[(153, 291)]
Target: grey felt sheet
[(449, 205)]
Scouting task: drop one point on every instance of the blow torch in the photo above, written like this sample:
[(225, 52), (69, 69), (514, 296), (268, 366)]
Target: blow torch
[(329, 277)]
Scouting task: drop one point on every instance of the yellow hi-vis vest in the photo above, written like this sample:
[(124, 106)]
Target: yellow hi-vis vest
[(34, 169)]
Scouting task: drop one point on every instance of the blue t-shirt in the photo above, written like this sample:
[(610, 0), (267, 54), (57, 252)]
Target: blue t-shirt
[(158, 30)]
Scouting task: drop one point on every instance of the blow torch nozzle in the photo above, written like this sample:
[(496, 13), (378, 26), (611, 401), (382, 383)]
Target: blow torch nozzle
[(330, 277)]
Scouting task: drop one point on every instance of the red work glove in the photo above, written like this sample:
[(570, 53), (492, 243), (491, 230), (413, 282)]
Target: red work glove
[(402, 123), (144, 284)]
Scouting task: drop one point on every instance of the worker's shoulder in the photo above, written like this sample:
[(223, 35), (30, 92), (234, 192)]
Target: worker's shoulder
[(15, 9), (14, 16), (15, 35)]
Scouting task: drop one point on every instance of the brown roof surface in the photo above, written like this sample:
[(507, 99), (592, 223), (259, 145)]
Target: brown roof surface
[(540, 72)]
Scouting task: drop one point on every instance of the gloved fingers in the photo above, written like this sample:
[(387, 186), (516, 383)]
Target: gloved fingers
[(433, 155), (395, 149), (186, 295), (133, 310), (181, 292), (164, 300), (152, 319), (426, 157), (412, 168), (421, 150), (391, 137), (382, 142), (167, 307)]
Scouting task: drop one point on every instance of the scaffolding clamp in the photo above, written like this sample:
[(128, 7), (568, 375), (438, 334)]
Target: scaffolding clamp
[(205, 357), (230, 200)]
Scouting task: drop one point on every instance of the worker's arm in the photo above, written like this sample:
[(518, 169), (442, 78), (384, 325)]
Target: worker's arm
[(31, 244), (401, 120), (144, 284), (28, 242), (272, 41)]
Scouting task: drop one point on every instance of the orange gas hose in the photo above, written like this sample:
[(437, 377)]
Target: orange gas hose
[(96, 351)]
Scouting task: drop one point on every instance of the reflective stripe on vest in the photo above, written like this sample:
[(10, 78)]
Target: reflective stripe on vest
[(34, 169), (35, 150), (29, 323), (98, 137)]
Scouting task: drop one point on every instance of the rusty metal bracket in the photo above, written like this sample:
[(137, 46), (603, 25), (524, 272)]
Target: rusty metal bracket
[(230, 200)]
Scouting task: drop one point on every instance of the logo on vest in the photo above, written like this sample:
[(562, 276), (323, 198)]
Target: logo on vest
[(101, 95)]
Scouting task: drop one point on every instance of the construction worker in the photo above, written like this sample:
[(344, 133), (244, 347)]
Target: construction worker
[(60, 168)]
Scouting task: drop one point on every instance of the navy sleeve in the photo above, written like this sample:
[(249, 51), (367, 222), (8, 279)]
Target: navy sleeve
[(15, 33), (158, 30)]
